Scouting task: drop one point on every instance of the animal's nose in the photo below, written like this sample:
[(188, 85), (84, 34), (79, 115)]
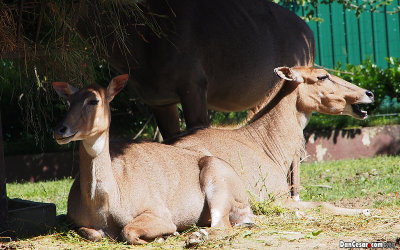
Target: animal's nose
[(370, 94), (61, 130)]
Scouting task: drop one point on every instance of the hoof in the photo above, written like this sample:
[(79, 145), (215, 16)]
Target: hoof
[(246, 225), (196, 238)]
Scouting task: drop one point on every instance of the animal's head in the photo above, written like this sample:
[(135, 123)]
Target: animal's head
[(325, 93), (89, 111)]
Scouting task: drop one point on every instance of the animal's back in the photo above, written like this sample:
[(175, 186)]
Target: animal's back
[(250, 161), (230, 46), (241, 42)]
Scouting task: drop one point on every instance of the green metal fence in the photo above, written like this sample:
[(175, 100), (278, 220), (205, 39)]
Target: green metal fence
[(344, 38)]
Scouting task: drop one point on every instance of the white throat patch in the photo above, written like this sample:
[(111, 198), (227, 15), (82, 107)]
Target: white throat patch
[(304, 119), (96, 145)]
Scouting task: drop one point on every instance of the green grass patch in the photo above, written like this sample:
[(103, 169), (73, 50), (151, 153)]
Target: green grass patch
[(332, 181), (45, 191)]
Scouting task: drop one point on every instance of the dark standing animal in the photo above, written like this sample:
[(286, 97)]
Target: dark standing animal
[(217, 54)]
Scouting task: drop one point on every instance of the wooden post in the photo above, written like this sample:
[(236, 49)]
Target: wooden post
[(3, 193)]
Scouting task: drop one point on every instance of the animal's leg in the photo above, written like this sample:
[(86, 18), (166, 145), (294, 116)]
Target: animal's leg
[(225, 193), (194, 105), (325, 207), (146, 227), (89, 234), (167, 120), (294, 178)]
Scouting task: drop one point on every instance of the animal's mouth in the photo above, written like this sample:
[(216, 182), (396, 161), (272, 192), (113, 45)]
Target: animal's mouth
[(63, 140), (358, 113), (354, 110)]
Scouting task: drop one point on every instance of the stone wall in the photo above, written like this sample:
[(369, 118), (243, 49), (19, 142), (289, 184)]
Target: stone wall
[(352, 143)]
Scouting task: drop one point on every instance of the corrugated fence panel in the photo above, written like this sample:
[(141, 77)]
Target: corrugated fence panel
[(352, 38), (324, 31), (393, 24), (340, 52), (314, 27), (366, 35), (380, 37), (344, 38)]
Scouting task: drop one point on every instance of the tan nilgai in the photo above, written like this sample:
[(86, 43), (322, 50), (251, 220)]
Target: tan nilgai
[(264, 151), (149, 189)]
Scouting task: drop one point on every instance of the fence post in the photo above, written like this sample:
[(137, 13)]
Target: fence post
[(3, 193)]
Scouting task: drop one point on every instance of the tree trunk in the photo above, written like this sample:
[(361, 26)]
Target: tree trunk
[(3, 193)]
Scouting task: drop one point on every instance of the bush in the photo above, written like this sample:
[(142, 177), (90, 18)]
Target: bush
[(382, 82)]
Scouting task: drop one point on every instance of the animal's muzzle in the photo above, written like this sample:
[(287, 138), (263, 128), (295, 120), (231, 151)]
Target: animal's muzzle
[(62, 132), (370, 95)]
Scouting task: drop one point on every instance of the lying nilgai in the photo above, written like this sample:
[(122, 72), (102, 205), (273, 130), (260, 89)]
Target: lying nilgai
[(264, 150), (216, 54), (150, 189)]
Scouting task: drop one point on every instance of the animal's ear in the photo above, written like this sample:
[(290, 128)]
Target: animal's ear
[(115, 86), (63, 89), (289, 74)]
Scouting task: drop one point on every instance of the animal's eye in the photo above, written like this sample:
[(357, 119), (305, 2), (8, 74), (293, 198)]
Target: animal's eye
[(321, 78), (93, 102)]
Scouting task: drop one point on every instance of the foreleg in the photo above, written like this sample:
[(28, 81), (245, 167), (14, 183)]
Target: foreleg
[(146, 227), (194, 104), (167, 118)]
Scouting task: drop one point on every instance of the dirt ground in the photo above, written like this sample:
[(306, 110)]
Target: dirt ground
[(311, 229)]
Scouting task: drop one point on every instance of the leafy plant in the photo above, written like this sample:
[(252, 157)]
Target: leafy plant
[(382, 82)]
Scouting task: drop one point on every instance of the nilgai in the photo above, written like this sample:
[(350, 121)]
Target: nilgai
[(213, 54), (263, 151), (149, 189)]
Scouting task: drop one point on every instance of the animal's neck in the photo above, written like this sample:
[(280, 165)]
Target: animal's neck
[(279, 130), (95, 165)]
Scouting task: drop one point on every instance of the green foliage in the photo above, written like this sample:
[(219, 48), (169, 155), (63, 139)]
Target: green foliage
[(49, 49), (227, 118), (382, 82), (389, 105), (359, 7), (267, 208)]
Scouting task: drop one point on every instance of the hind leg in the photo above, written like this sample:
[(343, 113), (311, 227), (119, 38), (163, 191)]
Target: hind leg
[(294, 178), (225, 193)]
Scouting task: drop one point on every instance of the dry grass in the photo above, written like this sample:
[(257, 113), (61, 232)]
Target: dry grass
[(287, 230)]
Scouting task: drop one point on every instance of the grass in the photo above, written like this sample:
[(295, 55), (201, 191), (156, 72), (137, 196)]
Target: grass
[(45, 191), (332, 181), (353, 183)]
